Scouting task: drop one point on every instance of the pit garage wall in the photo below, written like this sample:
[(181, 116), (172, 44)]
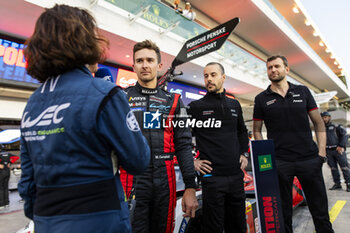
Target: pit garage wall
[(11, 108)]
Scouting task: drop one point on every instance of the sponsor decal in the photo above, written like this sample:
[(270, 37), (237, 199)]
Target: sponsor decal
[(137, 98), (183, 226), (270, 102), (297, 101), (331, 127), (207, 112), (48, 116), (138, 109), (131, 122), (296, 95), (151, 120), (177, 91), (149, 92), (137, 104), (162, 108), (271, 214), (157, 99), (265, 162)]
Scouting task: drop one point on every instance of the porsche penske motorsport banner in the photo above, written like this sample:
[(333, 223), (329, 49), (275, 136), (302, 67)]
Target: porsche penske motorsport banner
[(205, 43), (266, 187), (200, 45)]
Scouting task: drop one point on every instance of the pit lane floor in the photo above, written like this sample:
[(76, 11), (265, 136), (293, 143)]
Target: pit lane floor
[(338, 204), (13, 219)]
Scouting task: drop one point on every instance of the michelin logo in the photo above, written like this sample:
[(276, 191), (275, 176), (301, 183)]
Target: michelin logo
[(131, 122), (48, 116)]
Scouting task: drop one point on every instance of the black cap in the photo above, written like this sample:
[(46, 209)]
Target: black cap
[(325, 114)]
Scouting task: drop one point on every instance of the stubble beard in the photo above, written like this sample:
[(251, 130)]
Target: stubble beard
[(278, 79)]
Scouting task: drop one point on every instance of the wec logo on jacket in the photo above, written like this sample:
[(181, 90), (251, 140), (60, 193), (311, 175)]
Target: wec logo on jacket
[(48, 116)]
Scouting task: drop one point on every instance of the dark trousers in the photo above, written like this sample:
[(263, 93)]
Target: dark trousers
[(333, 158), (4, 186), (155, 200), (309, 173), (224, 204)]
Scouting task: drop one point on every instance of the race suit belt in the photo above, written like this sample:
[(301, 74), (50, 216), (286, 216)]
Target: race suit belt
[(78, 199)]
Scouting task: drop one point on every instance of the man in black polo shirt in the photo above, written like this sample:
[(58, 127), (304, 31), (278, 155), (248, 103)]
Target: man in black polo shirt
[(223, 146), (285, 109)]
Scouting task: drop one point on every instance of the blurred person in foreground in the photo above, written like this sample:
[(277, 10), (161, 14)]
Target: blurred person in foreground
[(285, 109), (336, 146), (69, 128)]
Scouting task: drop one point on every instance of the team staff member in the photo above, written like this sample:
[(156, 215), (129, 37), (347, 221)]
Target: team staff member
[(222, 155), (336, 145), (6, 159), (69, 128), (285, 108), (155, 189)]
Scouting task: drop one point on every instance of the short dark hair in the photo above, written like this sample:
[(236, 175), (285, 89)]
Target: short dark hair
[(147, 44), (217, 63), (274, 57), (64, 38)]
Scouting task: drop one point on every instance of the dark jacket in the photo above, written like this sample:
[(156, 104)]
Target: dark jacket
[(69, 128), (221, 145), (336, 136)]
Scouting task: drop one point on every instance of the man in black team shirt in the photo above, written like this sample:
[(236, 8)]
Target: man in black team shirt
[(223, 154), (285, 109)]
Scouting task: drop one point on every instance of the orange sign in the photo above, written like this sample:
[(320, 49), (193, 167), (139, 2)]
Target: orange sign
[(126, 78)]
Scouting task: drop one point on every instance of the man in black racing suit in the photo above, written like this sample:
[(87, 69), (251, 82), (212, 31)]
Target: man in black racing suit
[(156, 110)]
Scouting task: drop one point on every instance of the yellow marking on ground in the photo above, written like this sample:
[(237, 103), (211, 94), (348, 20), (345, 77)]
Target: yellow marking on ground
[(334, 212)]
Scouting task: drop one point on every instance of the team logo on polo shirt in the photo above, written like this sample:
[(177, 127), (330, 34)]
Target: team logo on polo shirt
[(297, 101), (271, 102), (207, 112), (265, 162)]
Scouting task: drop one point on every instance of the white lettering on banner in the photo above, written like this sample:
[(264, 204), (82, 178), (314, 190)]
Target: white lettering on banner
[(45, 118), (196, 42), (201, 49), (216, 33)]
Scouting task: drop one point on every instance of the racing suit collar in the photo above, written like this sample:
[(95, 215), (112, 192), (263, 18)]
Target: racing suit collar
[(145, 90)]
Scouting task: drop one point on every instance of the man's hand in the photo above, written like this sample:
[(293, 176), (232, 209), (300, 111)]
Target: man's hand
[(322, 152), (202, 166), (340, 150), (189, 203), (243, 161)]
